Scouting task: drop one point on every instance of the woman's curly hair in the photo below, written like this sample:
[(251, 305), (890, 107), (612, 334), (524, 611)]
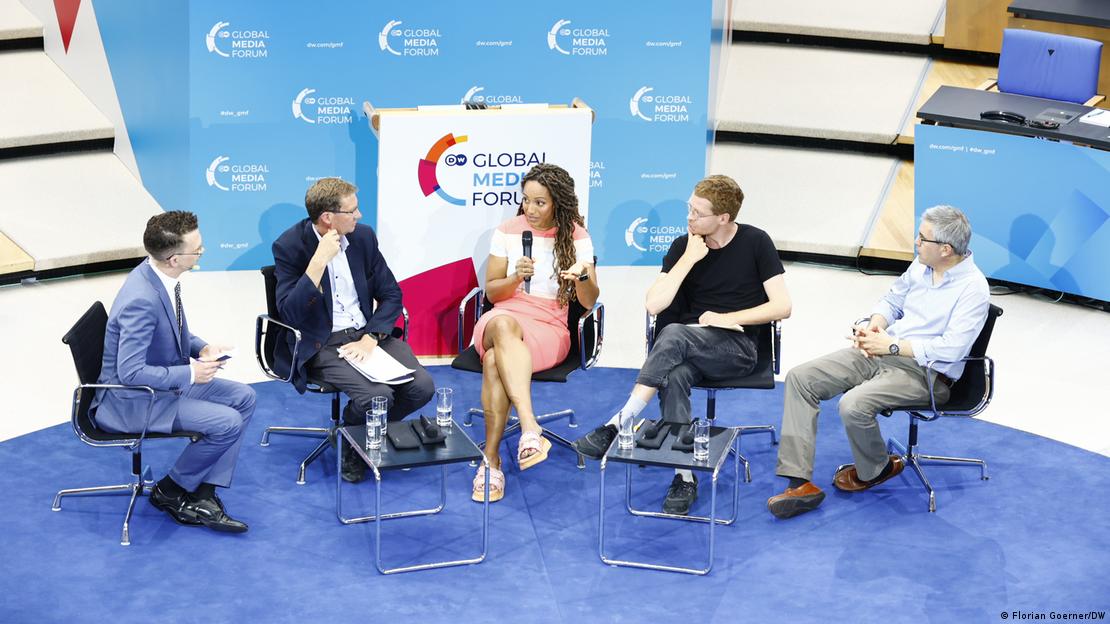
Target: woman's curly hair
[(561, 187)]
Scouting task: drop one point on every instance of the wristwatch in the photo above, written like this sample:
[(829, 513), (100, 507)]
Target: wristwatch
[(894, 348)]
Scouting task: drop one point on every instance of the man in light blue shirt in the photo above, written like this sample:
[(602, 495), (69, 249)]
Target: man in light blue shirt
[(922, 328)]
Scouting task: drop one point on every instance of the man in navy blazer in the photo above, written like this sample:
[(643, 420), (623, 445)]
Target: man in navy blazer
[(329, 273), (148, 343)]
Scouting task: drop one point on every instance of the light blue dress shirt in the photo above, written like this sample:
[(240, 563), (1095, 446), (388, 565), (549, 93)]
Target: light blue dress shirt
[(940, 321), (344, 298)]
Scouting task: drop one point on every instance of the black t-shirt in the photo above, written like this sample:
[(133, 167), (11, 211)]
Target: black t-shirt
[(727, 279)]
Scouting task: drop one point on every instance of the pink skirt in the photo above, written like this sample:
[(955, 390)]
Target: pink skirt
[(544, 325)]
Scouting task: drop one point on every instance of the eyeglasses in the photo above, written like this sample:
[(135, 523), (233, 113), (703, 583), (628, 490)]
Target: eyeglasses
[(922, 239), (694, 215), (343, 211), (199, 252)]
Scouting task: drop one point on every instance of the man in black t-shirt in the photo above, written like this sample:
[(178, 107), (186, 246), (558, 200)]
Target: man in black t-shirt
[(717, 279)]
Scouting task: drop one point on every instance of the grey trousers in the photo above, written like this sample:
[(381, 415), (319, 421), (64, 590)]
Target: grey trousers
[(869, 385), (683, 356), (403, 399)]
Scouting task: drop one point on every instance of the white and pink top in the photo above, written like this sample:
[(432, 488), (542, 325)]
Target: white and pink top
[(506, 243)]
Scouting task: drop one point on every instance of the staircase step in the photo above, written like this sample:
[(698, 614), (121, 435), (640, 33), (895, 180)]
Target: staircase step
[(74, 209), (896, 21), (807, 91), (42, 105), (16, 22), (809, 200)]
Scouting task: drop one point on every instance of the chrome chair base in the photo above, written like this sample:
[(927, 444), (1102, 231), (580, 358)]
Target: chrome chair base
[(513, 426), (752, 429), (914, 459), (327, 433), (138, 487)]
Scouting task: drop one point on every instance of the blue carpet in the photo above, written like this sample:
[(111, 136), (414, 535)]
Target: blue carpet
[(1034, 538)]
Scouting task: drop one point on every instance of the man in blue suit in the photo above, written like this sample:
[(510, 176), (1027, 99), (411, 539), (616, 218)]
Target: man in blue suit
[(329, 273), (148, 343)]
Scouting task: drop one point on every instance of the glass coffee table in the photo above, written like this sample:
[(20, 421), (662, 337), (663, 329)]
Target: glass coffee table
[(722, 440), (456, 448)]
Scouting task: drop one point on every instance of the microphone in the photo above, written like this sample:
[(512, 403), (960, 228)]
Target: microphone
[(526, 242)]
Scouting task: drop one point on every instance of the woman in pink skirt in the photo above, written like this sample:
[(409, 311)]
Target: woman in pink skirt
[(527, 332)]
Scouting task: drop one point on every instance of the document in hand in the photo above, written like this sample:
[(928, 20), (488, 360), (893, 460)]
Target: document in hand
[(380, 367)]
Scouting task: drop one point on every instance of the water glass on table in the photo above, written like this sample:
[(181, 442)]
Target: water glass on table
[(625, 432), (444, 401), (376, 422), (701, 439)]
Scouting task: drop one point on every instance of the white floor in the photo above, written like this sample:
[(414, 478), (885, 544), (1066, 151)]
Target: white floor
[(1050, 356)]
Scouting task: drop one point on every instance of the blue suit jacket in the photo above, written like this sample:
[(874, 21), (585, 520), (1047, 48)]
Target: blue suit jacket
[(309, 309), (143, 347)]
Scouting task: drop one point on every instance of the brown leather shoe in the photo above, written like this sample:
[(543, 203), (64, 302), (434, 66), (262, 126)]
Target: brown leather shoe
[(794, 501), (847, 480)]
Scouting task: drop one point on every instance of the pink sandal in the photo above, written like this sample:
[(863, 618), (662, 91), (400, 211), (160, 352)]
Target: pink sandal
[(496, 486), (531, 441)]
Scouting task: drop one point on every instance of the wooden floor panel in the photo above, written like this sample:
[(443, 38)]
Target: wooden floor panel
[(12, 258), (943, 73), (893, 232)]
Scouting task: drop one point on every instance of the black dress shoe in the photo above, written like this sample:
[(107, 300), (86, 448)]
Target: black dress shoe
[(353, 469), (210, 513), (178, 507)]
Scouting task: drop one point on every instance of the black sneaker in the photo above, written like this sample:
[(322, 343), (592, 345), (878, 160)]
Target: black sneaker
[(680, 496), (353, 469), (595, 443)]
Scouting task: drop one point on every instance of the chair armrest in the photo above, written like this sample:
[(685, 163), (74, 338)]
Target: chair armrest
[(405, 331), (987, 84), (261, 326), (598, 313), (988, 379), (1095, 100), (776, 346), (474, 292), (94, 386), (649, 330)]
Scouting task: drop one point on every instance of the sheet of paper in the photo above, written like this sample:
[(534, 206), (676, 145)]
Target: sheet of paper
[(381, 367), (1097, 117)]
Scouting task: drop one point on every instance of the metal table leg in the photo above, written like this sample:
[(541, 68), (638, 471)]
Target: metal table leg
[(712, 520), (377, 517)]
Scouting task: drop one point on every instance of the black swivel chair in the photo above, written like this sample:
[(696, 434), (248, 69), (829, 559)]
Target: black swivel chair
[(86, 343), (970, 395), (762, 377), (587, 330), (268, 330)]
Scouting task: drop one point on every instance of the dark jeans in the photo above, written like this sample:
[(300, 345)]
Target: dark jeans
[(683, 356), (403, 399)]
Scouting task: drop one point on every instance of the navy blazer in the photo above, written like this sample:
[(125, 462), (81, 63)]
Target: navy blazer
[(309, 309), (144, 347)]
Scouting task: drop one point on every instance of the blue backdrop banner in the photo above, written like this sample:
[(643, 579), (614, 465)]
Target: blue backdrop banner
[(1039, 210), (275, 91)]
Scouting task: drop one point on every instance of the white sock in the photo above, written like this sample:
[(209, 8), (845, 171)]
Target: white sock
[(686, 475), (634, 406)]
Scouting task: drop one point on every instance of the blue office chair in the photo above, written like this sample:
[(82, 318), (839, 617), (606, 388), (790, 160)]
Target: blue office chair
[(1047, 65)]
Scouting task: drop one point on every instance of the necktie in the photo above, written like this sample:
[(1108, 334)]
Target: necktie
[(177, 307)]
